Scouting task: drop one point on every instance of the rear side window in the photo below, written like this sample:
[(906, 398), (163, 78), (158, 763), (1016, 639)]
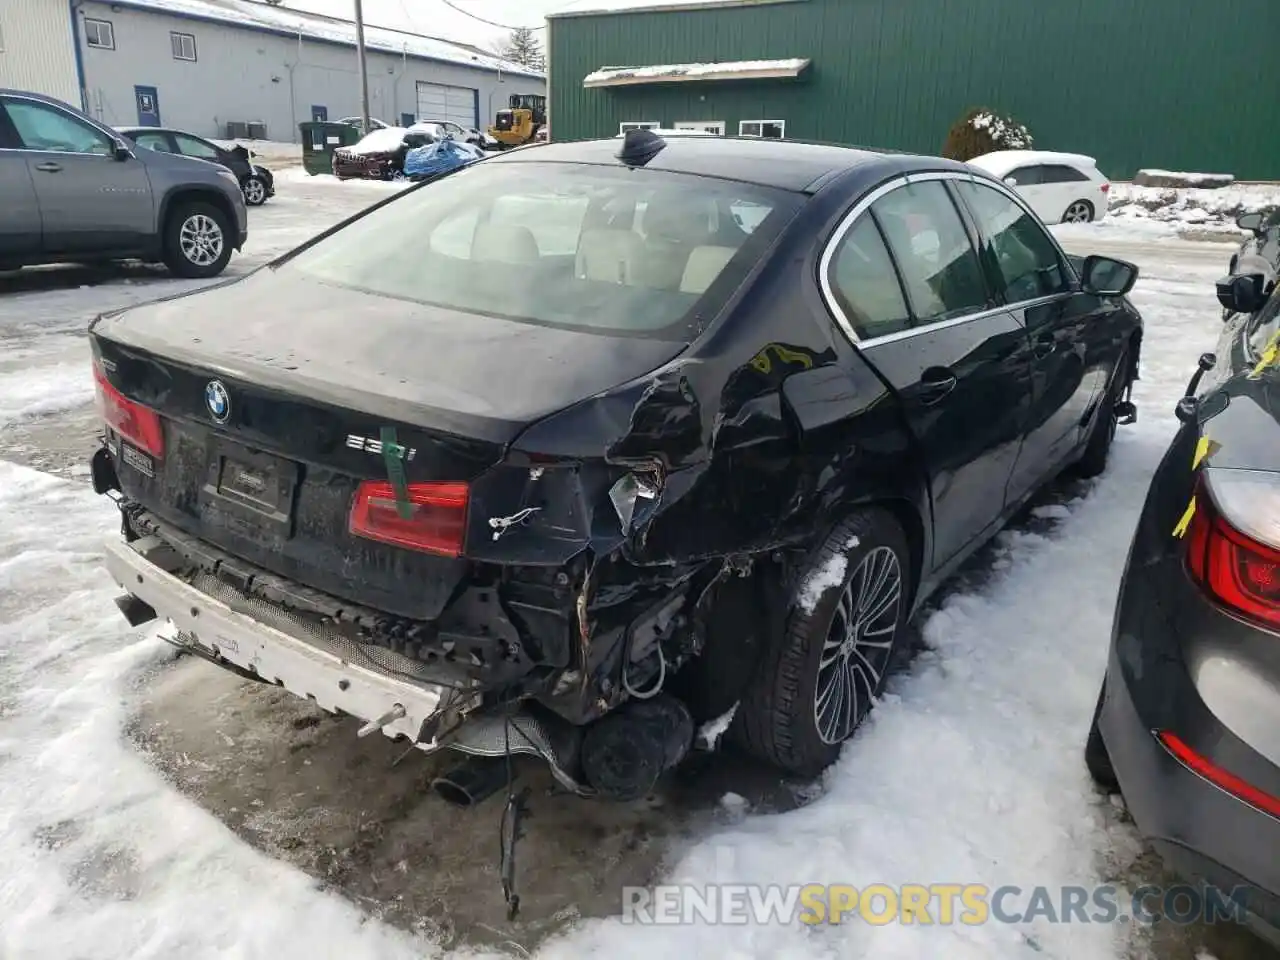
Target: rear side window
[(154, 141), (631, 253), (1060, 173), (1026, 176), (866, 285), (940, 269), (1027, 258), (192, 147)]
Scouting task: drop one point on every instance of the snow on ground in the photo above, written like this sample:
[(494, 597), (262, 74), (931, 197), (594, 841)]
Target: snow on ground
[(969, 772), (102, 859), (1169, 209)]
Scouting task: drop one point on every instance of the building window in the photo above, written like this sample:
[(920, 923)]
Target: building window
[(99, 34), (638, 125), (184, 46), (768, 129), (702, 126)]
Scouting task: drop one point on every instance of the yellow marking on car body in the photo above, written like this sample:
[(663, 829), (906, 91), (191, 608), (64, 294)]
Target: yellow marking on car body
[(1181, 529)]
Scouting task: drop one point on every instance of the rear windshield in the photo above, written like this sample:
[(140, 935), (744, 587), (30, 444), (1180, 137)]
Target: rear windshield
[(628, 252)]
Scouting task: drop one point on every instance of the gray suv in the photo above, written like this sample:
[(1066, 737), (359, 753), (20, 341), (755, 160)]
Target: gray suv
[(75, 191)]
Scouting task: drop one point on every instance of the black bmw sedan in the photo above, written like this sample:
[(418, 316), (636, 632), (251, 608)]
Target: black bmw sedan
[(589, 441), (1187, 726), (256, 180)]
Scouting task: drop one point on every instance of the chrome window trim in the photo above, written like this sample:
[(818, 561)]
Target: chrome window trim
[(862, 206)]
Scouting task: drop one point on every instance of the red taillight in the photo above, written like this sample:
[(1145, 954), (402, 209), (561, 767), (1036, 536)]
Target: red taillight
[(1106, 188), (435, 520), (1236, 570), (138, 424), (1220, 778)]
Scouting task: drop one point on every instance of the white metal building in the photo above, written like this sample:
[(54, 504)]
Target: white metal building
[(37, 48), (201, 65)]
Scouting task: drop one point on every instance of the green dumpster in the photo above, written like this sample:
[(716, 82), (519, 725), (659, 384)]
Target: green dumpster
[(319, 139)]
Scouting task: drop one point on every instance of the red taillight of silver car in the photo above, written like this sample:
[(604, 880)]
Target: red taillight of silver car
[(1233, 543)]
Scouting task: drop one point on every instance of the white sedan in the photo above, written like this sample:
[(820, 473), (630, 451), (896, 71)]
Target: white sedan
[(1060, 187)]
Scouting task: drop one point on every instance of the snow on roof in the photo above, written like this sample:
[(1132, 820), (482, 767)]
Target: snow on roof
[(262, 16), (379, 141), (680, 72), (571, 9), (1000, 162)]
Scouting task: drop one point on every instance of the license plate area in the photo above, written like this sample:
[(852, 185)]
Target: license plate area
[(252, 492)]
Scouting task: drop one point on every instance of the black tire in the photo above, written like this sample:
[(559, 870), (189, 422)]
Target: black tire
[(778, 718), (1096, 757), (180, 256), (255, 190), (1093, 462), (1070, 215)]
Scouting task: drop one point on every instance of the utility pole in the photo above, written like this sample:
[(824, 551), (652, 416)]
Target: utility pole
[(364, 73)]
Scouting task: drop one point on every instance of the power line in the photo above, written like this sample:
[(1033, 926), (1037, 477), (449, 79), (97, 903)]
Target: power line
[(501, 26)]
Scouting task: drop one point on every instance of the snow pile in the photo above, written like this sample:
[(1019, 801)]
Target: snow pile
[(1192, 206), (1007, 133), (1172, 178), (729, 70), (37, 391)]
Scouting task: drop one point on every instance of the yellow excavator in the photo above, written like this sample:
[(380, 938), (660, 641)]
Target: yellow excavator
[(519, 124)]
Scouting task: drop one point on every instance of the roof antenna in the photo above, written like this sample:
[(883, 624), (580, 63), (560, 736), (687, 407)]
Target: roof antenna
[(639, 146)]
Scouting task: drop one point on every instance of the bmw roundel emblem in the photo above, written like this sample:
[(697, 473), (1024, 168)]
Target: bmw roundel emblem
[(218, 401)]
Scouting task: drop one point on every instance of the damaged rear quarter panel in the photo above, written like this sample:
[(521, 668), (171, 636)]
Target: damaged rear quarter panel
[(765, 431)]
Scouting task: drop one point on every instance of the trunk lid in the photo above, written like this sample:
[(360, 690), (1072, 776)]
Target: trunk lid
[(312, 375)]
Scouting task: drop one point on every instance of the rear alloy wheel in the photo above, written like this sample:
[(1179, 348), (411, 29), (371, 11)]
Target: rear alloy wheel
[(255, 191), (816, 684), (1079, 212), (197, 241)]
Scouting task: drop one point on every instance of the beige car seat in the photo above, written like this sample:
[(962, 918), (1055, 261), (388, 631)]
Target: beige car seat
[(703, 266), (610, 256), (502, 243)]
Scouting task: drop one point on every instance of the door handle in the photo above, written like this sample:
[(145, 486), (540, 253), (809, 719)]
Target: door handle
[(936, 383), (49, 167), (1045, 344)]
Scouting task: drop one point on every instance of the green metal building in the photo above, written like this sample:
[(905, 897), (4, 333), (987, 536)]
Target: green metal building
[(1175, 84)]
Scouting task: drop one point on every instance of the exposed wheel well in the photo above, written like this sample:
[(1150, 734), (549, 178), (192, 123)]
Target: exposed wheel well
[(1135, 349), (195, 195)]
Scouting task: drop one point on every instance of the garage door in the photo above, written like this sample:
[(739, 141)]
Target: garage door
[(439, 102)]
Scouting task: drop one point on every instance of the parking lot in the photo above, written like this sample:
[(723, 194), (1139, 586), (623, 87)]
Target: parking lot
[(148, 804)]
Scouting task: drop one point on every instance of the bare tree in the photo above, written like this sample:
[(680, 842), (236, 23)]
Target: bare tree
[(523, 47)]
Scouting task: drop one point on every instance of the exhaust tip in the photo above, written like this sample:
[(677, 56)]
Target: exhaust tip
[(471, 782)]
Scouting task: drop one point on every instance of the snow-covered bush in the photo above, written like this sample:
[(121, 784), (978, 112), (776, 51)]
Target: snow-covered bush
[(982, 130)]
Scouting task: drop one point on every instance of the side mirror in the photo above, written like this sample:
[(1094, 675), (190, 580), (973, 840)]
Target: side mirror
[(1243, 294), (120, 151), (1011, 181), (1250, 221), (1106, 277)]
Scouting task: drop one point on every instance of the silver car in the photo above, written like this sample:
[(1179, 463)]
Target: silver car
[(75, 191)]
